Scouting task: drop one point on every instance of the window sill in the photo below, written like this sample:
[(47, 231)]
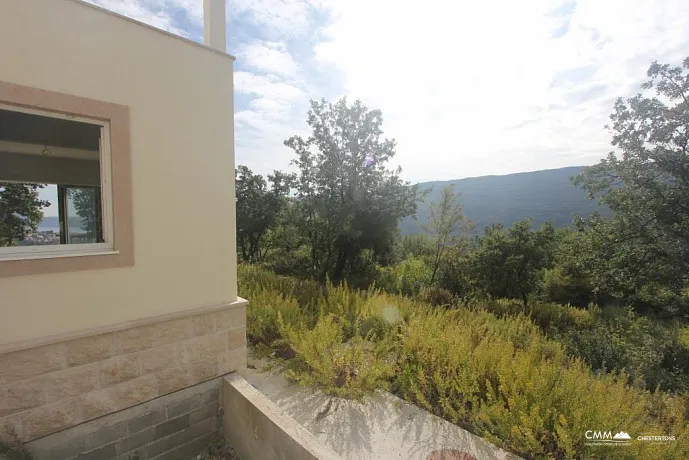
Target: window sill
[(56, 255)]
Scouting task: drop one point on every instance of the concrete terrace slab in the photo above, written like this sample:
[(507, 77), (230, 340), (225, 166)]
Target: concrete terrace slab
[(383, 427)]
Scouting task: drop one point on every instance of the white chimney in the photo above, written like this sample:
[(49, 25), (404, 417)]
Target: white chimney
[(214, 24)]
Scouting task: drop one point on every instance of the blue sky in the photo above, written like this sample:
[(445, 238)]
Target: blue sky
[(466, 88)]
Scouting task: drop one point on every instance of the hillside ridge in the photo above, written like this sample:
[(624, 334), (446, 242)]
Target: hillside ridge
[(543, 195)]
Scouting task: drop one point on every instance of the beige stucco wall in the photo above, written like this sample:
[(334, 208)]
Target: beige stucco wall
[(180, 101)]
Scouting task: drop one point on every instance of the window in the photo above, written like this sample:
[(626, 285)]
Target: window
[(54, 186), (63, 173)]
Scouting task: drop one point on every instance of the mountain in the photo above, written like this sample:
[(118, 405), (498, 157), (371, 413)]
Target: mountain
[(541, 195), (53, 223)]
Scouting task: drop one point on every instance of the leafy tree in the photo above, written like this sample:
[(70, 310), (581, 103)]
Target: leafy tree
[(347, 199), (646, 184), (508, 263), (285, 248), (20, 211), (84, 200), (569, 280), (417, 245), (446, 226), (258, 208)]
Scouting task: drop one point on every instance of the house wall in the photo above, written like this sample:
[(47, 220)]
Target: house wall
[(181, 121), (46, 389), (80, 347), (175, 426)]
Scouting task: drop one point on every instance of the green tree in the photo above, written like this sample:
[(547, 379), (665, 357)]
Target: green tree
[(258, 208), (446, 226), (569, 279), (416, 245), (20, 211), (646, 185), (347, 199), (509, 263), (86, 206)]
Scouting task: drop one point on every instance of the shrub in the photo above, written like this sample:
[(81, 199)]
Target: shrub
[(651, 353), (489, 368), (560, 287), (529, 397), (262, 329), (352, 369), (437, 296), (374, 328), (549, 316), (409, 277)]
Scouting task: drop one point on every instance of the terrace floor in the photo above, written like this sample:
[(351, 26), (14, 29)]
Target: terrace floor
[(380, 428)]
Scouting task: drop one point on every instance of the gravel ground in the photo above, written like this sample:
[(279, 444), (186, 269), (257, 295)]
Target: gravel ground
[(218, 451)]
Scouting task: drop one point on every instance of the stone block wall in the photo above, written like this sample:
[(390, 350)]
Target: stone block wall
[(175, 426), (53, 387)]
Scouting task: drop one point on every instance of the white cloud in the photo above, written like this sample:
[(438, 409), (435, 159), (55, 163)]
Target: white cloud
[(275, 113), (266, 86), (275, 17), (466, 88), (457, 81), (270, 57), (157, 14)]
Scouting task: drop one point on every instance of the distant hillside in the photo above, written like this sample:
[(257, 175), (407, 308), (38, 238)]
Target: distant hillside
[(541, 195), (53, 223)]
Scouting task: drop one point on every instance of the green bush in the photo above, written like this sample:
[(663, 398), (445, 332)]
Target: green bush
[(437, 296), (549, 316), (526, 395), (650, 352), (325, 360), (410, 276), (490, 368), (374, 328), (560, 287)]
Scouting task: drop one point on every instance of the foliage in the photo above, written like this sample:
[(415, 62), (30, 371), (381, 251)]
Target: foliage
[(524, 392), (508, 263), (85, 205), (437, 296), (351, 368), (408, 277), (646, 185), (458, 275), (419, 245), (549, 317), (258, 209), (346, 199), (500, 377), (446, 227), (20, 211)]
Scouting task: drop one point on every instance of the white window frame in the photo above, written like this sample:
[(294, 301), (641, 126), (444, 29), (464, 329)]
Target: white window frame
[(74, 250)]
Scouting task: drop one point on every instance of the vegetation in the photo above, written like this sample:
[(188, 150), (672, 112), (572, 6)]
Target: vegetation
[(498, 375), (528, 336), (348, 204), (20, 211), (644, 247)]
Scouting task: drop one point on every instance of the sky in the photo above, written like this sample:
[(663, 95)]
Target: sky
[(466, 88)]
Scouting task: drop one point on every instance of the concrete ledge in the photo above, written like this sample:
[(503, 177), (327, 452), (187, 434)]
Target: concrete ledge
[(257, 428)]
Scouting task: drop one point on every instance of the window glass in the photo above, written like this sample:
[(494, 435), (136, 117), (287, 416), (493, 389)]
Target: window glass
[(50, 188)]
